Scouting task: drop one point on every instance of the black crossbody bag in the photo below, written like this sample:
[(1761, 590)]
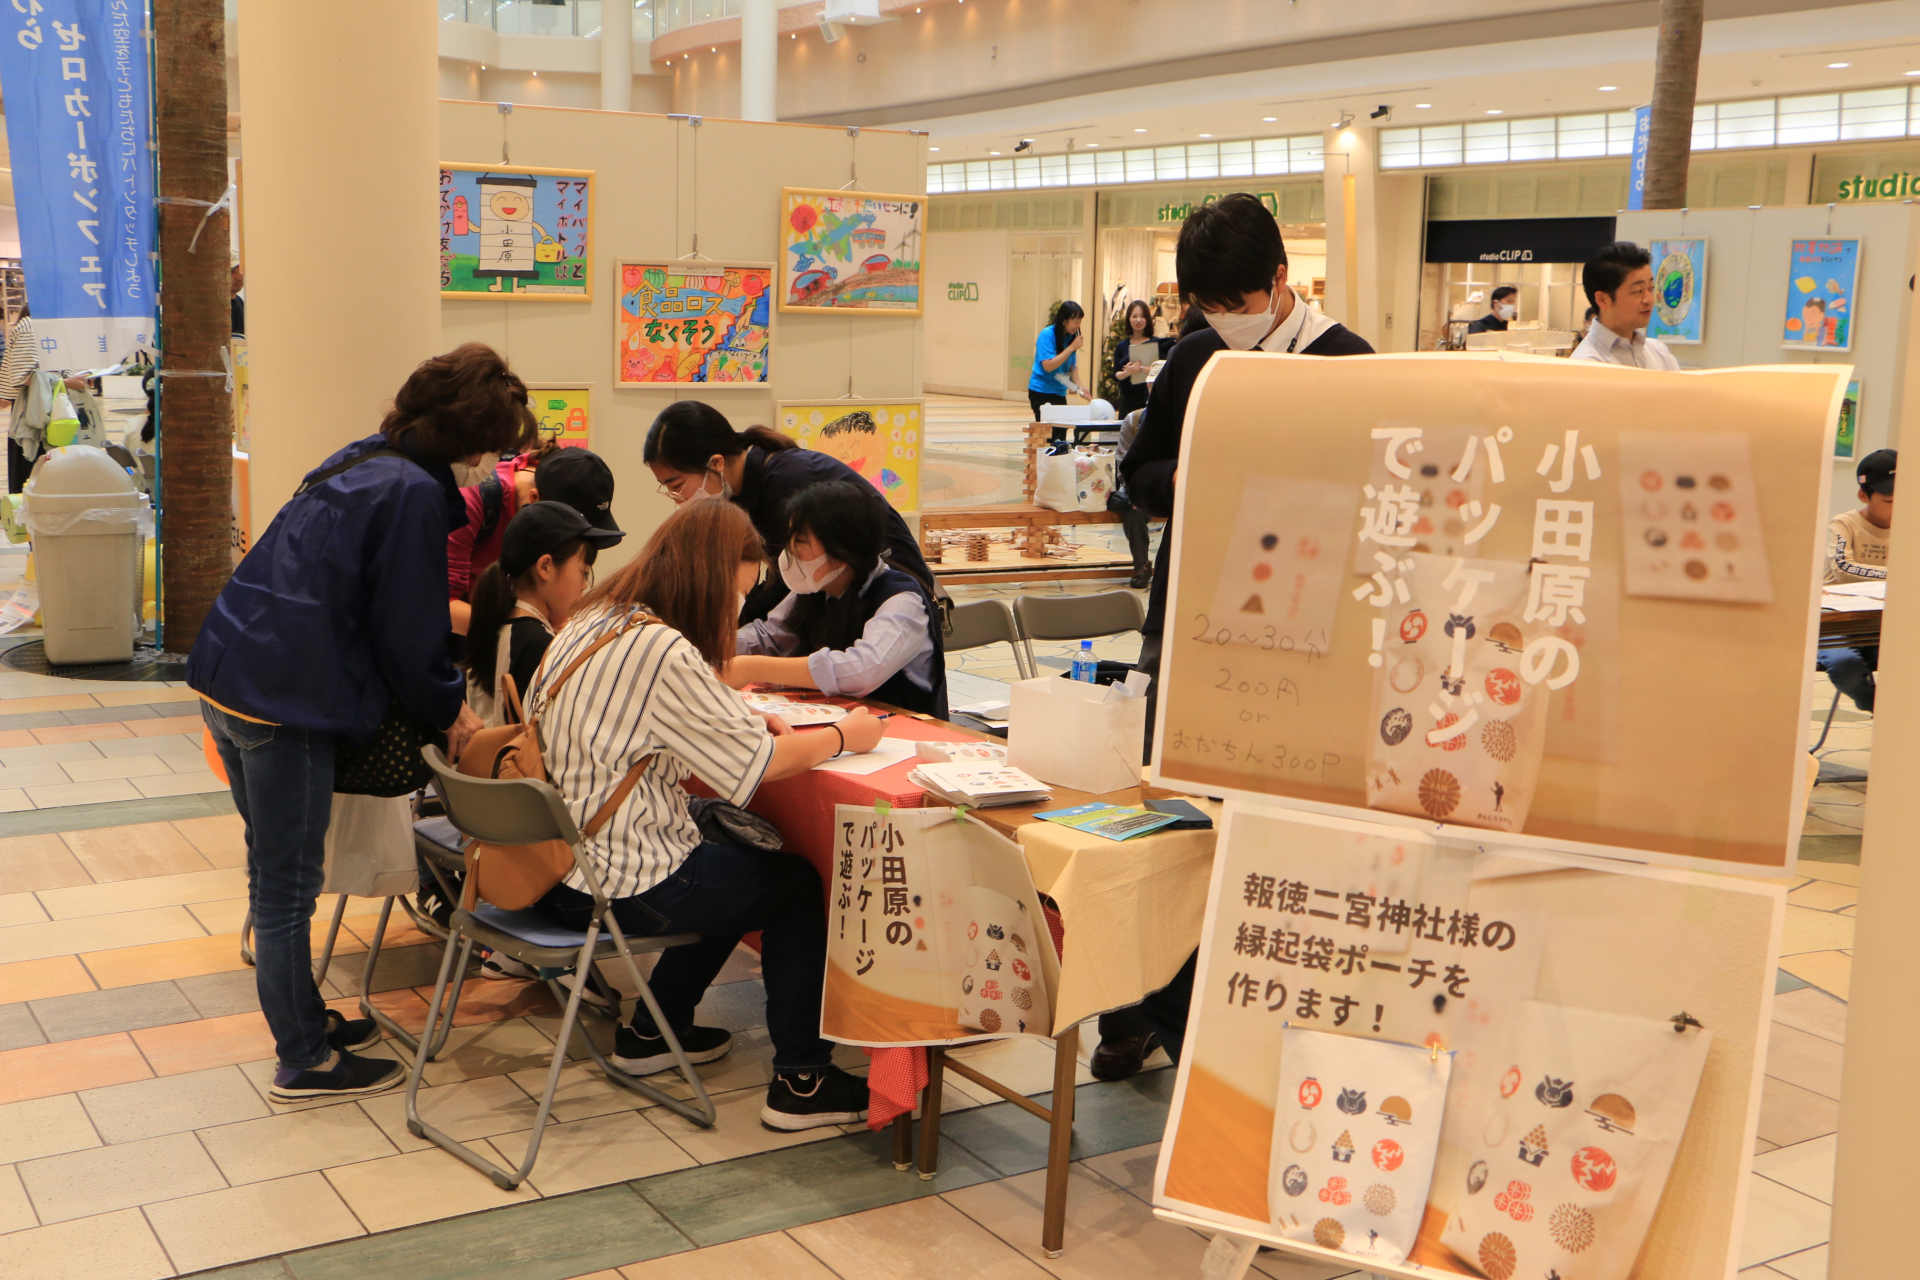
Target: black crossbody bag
[(389, 764)]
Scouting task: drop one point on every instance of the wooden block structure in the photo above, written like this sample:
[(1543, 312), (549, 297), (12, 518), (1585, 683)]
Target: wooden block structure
[(1037, 528)]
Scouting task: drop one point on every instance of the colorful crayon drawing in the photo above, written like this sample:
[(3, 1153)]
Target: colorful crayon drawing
[(1846, 437), (562, 412), (881, 439), (1822, 278), (510, 232), (850, 251), (685, 322)]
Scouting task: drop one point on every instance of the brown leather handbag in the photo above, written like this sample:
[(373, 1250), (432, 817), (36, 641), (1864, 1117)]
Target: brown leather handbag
[(515, 876)]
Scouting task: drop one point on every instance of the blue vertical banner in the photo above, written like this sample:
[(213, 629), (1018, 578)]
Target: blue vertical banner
[(1637, 179), (79, 119)]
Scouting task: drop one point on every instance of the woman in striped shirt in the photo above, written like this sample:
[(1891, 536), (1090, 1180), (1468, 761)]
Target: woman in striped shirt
[(654, 692)]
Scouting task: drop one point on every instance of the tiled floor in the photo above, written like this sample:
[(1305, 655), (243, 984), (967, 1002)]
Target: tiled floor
[(137, 1139)]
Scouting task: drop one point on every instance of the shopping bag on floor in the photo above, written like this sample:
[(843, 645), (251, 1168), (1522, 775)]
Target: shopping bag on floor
[(370, 846)]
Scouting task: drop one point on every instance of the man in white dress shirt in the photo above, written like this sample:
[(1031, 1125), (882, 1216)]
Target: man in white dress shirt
[(1619, 283)]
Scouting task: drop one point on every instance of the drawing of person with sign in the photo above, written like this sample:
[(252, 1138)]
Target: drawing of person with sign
[(507, 230)]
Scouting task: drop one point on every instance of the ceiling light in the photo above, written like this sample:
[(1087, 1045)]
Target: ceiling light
[(1206, 135), (1093, 144), (933, 148), (1838, 66), (714, 49), (1269, 119), (1493, 113), (1423, 106), (1609, 88), (536, 73), (1139, 130), (993, 153)]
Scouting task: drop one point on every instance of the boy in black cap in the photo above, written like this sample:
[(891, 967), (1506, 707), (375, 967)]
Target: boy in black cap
[(577, 477), (1859, 541)]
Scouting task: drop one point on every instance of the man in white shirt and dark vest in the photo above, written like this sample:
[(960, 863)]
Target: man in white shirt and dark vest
[(1619, 284)]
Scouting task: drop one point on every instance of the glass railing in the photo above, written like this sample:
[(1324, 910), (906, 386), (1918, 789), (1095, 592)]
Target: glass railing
[(546, 17), (670, 14)]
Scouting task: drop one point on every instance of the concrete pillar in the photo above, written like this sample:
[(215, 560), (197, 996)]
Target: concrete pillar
[(616, 55), (1872, 1234), (1353, 233), (342, 224), (759, 60)]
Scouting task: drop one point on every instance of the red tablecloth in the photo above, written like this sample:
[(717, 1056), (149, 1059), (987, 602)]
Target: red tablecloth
[(802, 807)]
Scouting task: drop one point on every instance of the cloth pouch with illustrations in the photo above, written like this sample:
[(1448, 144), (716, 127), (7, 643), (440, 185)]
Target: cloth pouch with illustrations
[(1563, 1151), (1456, 732), (1001, 984), (1354, 1139)]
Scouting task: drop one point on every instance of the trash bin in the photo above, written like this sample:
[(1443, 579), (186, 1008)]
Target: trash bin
[(89, 523)]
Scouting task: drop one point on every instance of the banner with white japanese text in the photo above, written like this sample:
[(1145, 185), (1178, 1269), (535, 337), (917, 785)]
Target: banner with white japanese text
[(79, 118), (1608, 1033), (1533, 603), (935, 934)]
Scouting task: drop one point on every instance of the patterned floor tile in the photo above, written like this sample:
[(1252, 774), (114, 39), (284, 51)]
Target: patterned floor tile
[(220, 1227)]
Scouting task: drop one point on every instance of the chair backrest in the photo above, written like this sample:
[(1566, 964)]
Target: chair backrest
[(986, 622), (500, 811), (1079, 617)]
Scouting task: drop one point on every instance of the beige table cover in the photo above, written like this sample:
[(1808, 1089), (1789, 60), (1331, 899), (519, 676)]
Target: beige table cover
[(1132, 908)]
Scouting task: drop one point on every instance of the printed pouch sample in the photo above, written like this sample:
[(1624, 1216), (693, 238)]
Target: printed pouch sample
[(1001, 988), (1456, 731), (1565, 1153), (1354, 1139)]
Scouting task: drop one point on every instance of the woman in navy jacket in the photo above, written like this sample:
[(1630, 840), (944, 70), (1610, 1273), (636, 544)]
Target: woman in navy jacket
[(336, 613)]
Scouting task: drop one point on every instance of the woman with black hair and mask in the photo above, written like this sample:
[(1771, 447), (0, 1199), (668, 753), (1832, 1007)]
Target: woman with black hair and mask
[(695, 454), (853, 625)]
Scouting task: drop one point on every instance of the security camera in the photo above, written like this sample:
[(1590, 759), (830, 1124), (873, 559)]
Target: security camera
[(1381, 112), (831, 31), (1026, 144)]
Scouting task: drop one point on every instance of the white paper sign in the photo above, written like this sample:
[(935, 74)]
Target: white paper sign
[(1692, 518)]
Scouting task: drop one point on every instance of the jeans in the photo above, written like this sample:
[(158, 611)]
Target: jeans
[(721, 893), (1851, 671), (282, 781)]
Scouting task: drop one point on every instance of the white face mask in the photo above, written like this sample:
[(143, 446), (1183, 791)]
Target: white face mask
[(724, 492), (1241, 331), (803, 577), (1506, 311), (467, 476)]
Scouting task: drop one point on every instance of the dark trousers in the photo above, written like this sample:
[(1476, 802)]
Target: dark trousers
[(1037, 399), (1163, 1013), (1851, 671), (721, 893), (18, 468), (282, 782)]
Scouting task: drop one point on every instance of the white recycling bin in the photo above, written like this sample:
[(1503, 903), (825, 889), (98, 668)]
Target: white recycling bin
[(89, 523)]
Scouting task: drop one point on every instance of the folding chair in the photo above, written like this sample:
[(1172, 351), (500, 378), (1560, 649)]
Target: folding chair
[(523, 811), (988, 622), (1076, 617)]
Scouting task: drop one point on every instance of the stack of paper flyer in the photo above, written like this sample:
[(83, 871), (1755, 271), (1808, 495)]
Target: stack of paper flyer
[(979, 787)]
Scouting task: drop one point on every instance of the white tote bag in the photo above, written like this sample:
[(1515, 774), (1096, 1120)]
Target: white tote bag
[(370, 847), (1057, 481), (1355, 1135), (1563, 1150), (1093, 476)]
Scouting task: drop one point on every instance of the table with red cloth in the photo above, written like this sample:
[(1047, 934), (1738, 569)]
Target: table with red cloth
[(803, 808)]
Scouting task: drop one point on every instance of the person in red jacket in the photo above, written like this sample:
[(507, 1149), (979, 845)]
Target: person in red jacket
[(578, 477)]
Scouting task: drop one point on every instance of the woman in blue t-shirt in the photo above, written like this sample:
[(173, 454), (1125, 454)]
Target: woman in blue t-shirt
[(1054, 357)]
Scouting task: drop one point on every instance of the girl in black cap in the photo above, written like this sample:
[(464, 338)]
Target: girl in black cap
[(545, 565)]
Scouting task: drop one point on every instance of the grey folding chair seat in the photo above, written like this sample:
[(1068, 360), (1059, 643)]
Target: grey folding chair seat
[(1077, 617), (522, 811), (987, 622)]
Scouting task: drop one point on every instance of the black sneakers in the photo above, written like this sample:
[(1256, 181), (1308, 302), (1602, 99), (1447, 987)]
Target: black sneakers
[(644, 1055), (812, 1100), (348, 1076), (354, 1033)]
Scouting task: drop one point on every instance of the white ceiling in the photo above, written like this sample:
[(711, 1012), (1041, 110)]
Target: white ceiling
[(1740, 58)]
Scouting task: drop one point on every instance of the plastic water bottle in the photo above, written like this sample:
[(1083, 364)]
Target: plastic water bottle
[(1085, 665)]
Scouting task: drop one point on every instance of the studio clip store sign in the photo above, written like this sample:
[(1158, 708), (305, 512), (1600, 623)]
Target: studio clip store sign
[(79, 116)]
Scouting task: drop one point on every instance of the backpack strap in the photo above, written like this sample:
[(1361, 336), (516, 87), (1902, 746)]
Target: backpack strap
[(321, 477), (628, 783)]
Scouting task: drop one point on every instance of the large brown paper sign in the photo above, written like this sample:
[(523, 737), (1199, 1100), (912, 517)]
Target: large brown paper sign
[(1554, 605)]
